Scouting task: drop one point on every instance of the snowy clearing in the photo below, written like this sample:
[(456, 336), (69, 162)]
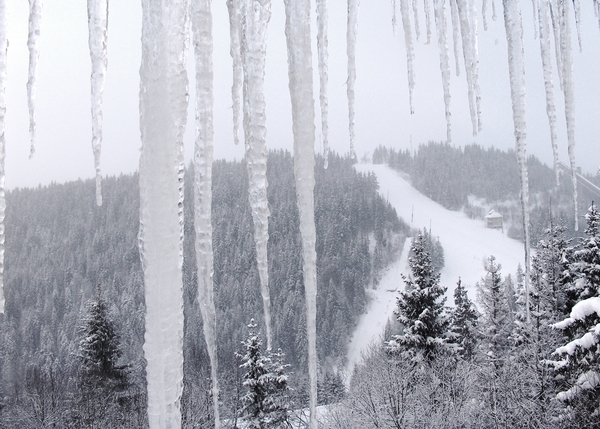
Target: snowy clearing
[(466, 242)]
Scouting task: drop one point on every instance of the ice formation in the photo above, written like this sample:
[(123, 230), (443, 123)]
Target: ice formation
[(351, 53), (455, 34), (256, 17), (410, 51), (416, 15), (163, 115), (35, 16), (427, 8), (468, 34), (394, 17), (322, 49), (201, 19), (235, 10), (97, 25), (3, 47), (516, 69), (297, 30), (544, 34), (441, 28), (568, 88), (484, 14)]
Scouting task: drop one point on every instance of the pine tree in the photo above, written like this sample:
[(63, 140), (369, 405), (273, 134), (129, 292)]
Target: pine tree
[(266, 400), (463, 324), (421, 307), (100, 348), (580, 363), (495, 320), (586, 266)]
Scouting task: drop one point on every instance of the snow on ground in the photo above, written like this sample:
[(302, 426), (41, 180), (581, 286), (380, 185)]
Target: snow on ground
[(467, 244)]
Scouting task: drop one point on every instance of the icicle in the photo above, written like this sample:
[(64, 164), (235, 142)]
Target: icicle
[(441, 26), (394, 17), (3, 47), (475, 61), (254, 50), (535, 13), (494, 16), (297, 30), (577, 9), (163, 114), (234, 8), (516, 68), (597, 10), (569, 94), (554, 12), (35, 15), (323, 54), (484, 14), (455, 34), (201, 19), (544, 30), (467, 40), (97, 23), (410, 52), (427, 20), (416, 14), (351, 52)]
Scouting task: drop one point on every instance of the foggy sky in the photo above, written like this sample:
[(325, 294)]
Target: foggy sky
[(382, 113)]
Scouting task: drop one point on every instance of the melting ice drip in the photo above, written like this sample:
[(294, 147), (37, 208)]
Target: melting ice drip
[(35, 16), (163, 115), (3, 47), (97, 24), (201, 19)]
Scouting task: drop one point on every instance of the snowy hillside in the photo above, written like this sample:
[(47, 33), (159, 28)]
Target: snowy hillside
[(466, 242)]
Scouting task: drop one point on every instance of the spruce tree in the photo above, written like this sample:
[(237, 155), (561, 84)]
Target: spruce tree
[(266, 399), (463, 325), (586, 267), (495, 321), (421, 307)]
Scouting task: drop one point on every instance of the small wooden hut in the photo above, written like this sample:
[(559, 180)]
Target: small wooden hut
[(494, 220)]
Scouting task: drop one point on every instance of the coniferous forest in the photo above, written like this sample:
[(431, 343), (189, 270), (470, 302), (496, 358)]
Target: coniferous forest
[(72, 335)]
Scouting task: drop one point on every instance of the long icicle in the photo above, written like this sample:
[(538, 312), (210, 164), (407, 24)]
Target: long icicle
[(201, 18), (554, 15), (577, 10), (441, 26), (98, 25), (569, 94), (410, 51), (323, 54), (427, 9), (516, 68), (484, 14), (257, 15), (544, 30), (3, 48), (465, 31), (394, 17), (35, 16), (351, 53), (455, 34), (163, 116), (416, 16), (297, 30), (475, 61), (535, 13), (234, 9)]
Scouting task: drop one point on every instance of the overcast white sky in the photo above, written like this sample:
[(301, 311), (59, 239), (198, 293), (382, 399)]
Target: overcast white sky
[(63, 92)]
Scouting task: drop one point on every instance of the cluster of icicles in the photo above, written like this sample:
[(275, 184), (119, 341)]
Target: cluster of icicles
[(163, 117)]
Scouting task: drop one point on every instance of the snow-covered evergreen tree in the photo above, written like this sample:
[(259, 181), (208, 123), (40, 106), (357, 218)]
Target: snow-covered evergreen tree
[(421, 307), (100, 348), (495, 321), (586, 265), (579, 362), (463, 323), (266, 403)]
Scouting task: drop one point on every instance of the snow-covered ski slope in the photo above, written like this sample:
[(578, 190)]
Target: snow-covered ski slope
[(466, 242)]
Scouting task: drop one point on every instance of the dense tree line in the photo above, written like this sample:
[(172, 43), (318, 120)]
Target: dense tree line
[(63, 254), (514, 361)]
